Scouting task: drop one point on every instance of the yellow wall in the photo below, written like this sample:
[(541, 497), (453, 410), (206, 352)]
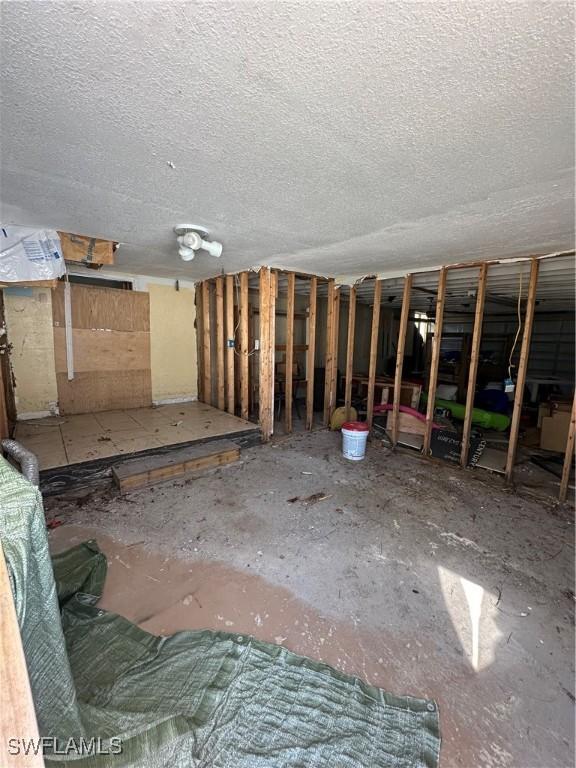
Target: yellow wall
[(28, 313), (172, 342)]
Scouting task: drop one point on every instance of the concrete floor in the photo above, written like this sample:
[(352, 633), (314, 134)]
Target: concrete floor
[(387, 577)]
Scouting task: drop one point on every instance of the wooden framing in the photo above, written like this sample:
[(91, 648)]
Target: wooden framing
[(16, 704), (330, 351), (206, 358), (335, 339), (350, 351), (436, 342), (474, 360), (266, 367), (522, 368), (400, 356), (230, 404), (373, 351), (332, 333), (244, 369), (569, 455), (289, 360), (200, 341), (220, 382), (310, 359)]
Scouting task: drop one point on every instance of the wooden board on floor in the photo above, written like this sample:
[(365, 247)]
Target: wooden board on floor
[(137, 473)]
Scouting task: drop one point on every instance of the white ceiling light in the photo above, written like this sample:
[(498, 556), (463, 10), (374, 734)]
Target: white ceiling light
[(190, 239)]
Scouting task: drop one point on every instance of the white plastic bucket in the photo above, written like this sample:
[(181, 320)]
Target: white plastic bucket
[(354, 438)]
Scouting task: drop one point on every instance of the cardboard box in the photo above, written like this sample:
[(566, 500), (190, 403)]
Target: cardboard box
[(554, 435), (549, 408), (88, 250)]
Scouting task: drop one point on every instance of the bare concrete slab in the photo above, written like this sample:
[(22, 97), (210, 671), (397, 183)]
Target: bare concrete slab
[(420, 578)]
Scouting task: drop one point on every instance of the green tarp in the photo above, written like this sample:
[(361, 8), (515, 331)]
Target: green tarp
[(194, 699)]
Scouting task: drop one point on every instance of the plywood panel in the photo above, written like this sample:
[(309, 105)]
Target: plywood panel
[(111, 345), (102, 350), (104, 391), (107, 308)]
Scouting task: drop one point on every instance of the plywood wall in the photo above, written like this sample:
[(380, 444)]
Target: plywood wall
[(111, 349)]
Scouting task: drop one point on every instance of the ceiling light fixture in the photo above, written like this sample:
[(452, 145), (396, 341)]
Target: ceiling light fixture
[(190, 238)]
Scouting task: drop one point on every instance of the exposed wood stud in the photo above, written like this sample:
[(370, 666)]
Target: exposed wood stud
[(289, 359), (569, 456), (220, 383), (350, 351), (200, 341), (474, 360), (244, 368), (230, 405), (335, 339), (522, 368), (436, 342), (266, 377), (311, 354), (272, 316), (405, 313), (206, 358), (373, 351), (329, 361)]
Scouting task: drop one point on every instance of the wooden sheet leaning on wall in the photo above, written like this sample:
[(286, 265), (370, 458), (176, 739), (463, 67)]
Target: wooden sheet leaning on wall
[(111, 339)]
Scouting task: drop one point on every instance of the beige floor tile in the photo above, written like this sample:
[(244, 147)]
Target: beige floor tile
[(115, 421), (83, 424), (77, 438), (174, 435), (34, 429), (48, 437), (48, 458), (151, 419), (49, 450), (86, 450), (135, 432), (136, 444)]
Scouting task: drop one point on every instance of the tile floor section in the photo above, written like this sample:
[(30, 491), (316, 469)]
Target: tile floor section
[(61, 440)]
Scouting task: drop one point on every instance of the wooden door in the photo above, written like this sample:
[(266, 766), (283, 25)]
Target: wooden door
[(111, 349)]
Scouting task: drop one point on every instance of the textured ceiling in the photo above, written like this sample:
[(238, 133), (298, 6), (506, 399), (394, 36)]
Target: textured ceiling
[(336, 138)]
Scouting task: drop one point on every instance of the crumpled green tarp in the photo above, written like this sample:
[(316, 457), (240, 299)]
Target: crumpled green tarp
[(194, 699)]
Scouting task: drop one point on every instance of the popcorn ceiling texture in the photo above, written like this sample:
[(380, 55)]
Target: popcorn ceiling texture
[(337, 138)]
